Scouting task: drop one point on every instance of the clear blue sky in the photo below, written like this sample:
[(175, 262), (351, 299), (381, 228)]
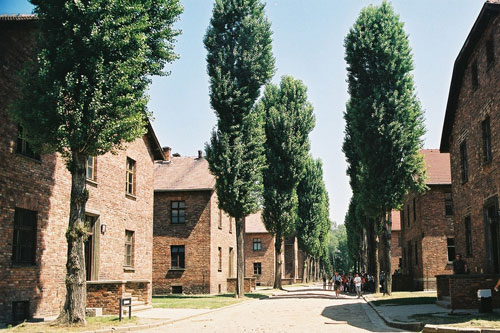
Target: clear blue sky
[(308, 44)]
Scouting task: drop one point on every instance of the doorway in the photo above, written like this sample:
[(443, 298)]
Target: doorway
[(89, 248)]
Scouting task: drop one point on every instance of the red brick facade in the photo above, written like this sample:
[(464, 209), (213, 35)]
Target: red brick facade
[(264, 256), (471, 134), (427, 230), (43, 187), (204, 233)]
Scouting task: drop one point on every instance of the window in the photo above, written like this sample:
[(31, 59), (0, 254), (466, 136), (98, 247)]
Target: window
[(24, 244), (220, 219), (450, 243), (231, 258), (402, 216), (176, 289), (230, 225), (468, 237), (416, 254), (463, 162), (414, 209), (448, 204), (23, 146), (474, 77), (257, 268), (485, 127), (90, 167), (220, 259), (129, 248), (399, 239), (257, 244), (490, 52), (130, 186), (178, 212), (20, 311), (177, 257)]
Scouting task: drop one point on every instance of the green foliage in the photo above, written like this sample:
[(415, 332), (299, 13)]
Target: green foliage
[(383, 115), (354, 229), (313, 223), (289, 119), (85, 92), (239, 62), (338, 248)]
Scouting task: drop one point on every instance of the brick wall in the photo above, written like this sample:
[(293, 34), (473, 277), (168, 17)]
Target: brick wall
[(429, 232), (395, 250), (223, 235), (264, 256), (474, 105), (44, 186), (194, 235)]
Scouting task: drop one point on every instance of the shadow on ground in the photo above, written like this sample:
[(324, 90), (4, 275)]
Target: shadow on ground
[(354, 315)]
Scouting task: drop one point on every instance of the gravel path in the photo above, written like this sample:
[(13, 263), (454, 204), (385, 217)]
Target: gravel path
[(309, 310)]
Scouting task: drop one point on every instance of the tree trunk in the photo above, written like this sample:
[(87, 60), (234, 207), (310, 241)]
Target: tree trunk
[(388, 243), (240, 257), (76, 286), (278, 269), (304, 270)]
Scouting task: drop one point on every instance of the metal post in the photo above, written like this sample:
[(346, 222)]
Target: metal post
[(120, 313)]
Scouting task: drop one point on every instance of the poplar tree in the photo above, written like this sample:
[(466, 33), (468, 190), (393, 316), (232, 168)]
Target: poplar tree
[(289, 119), (313, 223), (85, 95), (384, 116), (239, 63)]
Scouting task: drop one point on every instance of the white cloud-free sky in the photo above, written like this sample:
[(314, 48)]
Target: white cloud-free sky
[(308, 44)]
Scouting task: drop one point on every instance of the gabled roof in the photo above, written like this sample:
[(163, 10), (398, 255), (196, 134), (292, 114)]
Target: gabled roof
[(183, 174), (396, 220), (18, 17), (490, 10), (437, 166), (254, 224)]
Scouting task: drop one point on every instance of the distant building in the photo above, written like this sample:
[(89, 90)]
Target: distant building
[(396, 252), (194, 248), (427, 236), (34, 210), (471, 134)]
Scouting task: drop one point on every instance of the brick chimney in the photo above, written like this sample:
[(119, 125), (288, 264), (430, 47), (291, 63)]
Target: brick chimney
[(200, 154), (167, 151)]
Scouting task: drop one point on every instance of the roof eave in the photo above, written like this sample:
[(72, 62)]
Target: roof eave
[(459, 67), (161, 190)]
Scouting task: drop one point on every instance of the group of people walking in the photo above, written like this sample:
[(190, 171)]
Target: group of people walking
[(345, 283)]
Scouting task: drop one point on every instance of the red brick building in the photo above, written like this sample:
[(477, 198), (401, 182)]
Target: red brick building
[(396, 251), (471, 134), (34, 210), (194, 248), (428, 241)]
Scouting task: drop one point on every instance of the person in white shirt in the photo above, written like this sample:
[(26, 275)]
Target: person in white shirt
[(357, 283)]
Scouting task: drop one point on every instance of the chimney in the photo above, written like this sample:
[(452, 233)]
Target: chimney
[(200, 154), (167, 151)]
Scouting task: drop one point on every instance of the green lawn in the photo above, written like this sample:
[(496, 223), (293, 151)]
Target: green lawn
[(491, 320), (201, 301), (403, 298), (93, 323)]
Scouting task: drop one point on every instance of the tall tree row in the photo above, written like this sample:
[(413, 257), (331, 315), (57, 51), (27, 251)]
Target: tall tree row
[(313, 223), (239, 63), (84, 94), (288, 121), (384, 120)]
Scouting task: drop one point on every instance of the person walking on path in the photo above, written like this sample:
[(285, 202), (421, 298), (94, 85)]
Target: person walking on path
[(459, 265), (357, 284), (336, 281)]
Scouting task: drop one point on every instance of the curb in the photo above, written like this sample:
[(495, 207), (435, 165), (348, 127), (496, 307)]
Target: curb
[(414, 326), (166, 322), (447, 329)]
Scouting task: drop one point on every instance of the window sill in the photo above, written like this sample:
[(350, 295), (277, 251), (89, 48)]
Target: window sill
[(177, 223), (23, 265), (177, 269), (34, 159), (91, 182), (130, 196), (128, 269)]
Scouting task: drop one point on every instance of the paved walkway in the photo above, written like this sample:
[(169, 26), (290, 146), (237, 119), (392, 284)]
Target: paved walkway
[(301, 310)]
